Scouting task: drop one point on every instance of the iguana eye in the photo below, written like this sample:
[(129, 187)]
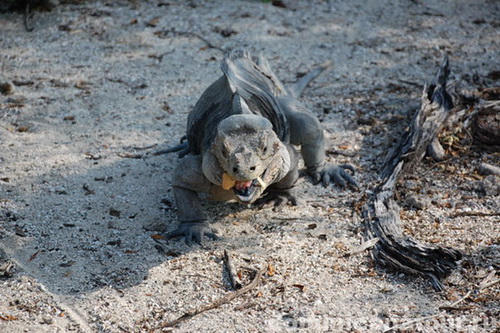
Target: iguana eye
[(224, 152), (264, 145)]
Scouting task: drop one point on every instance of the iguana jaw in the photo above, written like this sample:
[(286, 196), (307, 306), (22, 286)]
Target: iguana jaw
[(245, 191)]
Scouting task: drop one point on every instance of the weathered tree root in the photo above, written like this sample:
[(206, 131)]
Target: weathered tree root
[(381, 213)]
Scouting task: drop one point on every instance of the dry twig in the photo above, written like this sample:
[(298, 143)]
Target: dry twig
[(165, 33), (459, 214), (231, 272), (411, 322), (365, 246), (221, 301), (27, 18), (418, 320)]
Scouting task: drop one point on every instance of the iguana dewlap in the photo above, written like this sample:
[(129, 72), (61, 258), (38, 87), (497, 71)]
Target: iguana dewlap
[(241, 136)]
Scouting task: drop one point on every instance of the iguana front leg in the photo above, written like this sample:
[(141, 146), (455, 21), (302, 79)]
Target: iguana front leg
[(188, 182), (306, 131), (283, 192)]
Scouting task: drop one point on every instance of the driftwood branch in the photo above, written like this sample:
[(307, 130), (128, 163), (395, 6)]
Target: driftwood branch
[(382, 212)]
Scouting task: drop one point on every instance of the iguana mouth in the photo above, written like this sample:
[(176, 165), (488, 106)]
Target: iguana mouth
[(248, 191)]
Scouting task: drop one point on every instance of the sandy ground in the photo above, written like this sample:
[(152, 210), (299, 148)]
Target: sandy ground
[(100, 82)]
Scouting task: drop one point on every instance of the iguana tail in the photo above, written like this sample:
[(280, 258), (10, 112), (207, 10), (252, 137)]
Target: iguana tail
[(299, 86), (182, 149)]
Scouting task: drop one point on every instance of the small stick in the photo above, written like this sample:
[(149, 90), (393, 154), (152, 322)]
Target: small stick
[(288, 218), (410, 83), (489, 284), (460, 214), (27, 18), (411, 322), (231, 272), (192, 34), (460, 300), (221, 301), (488, 281), (453, 305), (250, 269), (130, 155), (244, 306), (365, 246)]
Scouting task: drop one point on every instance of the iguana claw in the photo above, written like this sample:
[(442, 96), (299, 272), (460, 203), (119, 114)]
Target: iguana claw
[(197, 231), (278, 199), (336, 174)]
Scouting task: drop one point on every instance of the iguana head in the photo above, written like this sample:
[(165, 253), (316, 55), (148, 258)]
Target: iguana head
[(250, 154)]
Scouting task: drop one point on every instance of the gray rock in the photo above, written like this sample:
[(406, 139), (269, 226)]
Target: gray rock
[(418, 201), (488, 169), (490, 185)]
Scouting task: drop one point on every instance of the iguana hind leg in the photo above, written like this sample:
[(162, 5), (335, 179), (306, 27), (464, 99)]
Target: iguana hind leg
[(306, 131)]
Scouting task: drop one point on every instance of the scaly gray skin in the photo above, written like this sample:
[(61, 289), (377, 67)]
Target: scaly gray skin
[(241, 135)]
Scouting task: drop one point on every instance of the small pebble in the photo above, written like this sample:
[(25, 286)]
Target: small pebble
[(114, 212), (6, 88), (490, 185), (488, 169), (435, 150), (47, 320)]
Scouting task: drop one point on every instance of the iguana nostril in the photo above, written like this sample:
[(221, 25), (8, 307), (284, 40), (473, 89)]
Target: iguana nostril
[(235, 169), (252, 168)]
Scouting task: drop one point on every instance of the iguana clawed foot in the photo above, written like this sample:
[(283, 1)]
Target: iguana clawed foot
[(278, 199), (334, 173), (194, 231)]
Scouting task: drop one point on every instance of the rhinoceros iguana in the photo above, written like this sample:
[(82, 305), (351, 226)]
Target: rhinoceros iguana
[(240, 143)]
